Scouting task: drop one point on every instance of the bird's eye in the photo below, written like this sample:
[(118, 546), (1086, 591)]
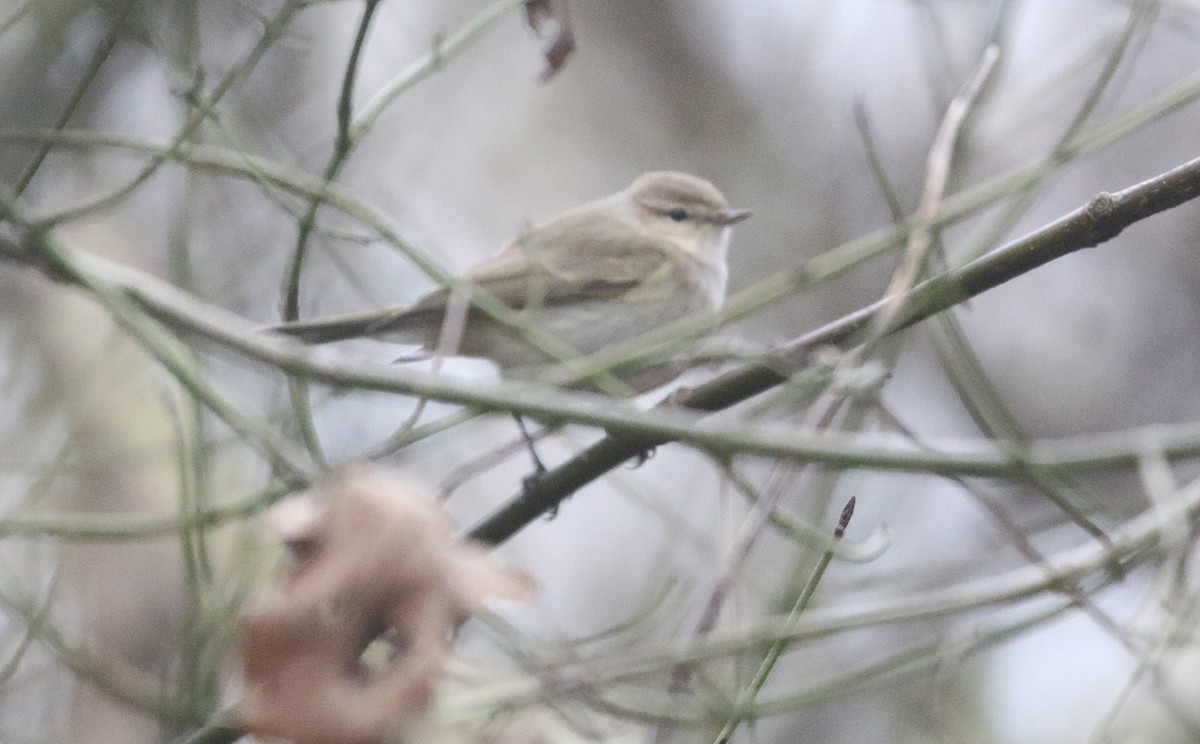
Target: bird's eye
[(679, 214)]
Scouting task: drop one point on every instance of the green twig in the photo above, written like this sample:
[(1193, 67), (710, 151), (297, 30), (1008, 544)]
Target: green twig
[(297, 389), (1101, 219), (776, 649), (270, 33), (102, 53), (635, 430), (443, 51), (1137, 541)]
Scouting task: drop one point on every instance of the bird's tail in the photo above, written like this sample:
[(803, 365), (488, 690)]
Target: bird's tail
[(340, 327)]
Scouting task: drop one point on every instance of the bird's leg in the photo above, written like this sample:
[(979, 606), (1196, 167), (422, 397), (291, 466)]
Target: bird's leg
[(538, 467)]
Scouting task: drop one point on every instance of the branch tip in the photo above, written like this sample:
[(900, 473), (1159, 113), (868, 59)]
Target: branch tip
[(844, 519)]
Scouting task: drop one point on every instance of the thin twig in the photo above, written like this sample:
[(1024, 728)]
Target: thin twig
[(634, 431), (822, 268), (271, 31), (1135, 542), (937, 174), (862, 123), (298, 389), (444, 50), (99, 57), (993, 228), (776, 650), (1101, 219)]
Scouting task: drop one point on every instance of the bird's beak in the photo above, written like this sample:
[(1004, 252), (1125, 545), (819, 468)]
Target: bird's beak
[(730, 216)]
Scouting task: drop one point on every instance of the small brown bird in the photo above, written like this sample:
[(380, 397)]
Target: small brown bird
[(592, 276)]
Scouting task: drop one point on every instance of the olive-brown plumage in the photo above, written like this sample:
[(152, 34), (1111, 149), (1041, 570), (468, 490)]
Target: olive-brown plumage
[(592, 276)]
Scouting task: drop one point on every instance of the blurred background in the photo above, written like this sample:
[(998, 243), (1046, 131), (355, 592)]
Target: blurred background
[(816, 116)]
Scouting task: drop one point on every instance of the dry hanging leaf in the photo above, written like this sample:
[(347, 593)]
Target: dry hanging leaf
[(541, 12), (350, 651)]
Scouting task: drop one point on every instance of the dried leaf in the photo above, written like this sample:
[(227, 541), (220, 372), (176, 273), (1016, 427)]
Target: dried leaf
[(540, 14), (351, 649)]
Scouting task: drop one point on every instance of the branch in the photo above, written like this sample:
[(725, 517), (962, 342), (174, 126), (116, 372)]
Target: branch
[(291, 286), (270, 33), (1101, 219), (824, 267), (633, 431), (1136, 542), (443, 51)]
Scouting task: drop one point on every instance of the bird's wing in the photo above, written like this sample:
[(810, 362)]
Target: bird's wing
[(570, 257), (561, 261)]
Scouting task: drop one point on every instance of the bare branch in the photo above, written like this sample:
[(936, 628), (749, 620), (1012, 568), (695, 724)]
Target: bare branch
[(1101, 219)]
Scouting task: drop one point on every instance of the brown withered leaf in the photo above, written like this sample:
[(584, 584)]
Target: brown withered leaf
[(541, 13), (351, 648)]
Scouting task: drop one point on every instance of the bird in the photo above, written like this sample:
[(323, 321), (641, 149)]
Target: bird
[(592, 276)]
